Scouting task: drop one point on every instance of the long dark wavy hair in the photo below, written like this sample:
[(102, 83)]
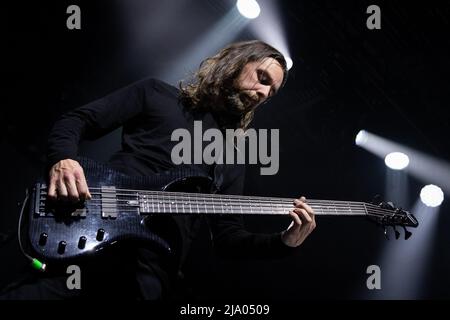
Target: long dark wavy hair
[(212, 86)]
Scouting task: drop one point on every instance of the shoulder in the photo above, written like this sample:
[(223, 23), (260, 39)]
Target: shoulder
[(154, 85)]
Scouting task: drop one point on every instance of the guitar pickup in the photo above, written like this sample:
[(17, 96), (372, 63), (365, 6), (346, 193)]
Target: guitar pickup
[(109, 202)]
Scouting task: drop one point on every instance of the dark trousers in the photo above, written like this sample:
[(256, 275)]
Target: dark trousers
[(135, 274)]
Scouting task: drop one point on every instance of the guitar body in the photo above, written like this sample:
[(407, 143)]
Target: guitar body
[(66, 231)]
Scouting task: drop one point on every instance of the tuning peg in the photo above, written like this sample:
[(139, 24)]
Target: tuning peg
[(387, 205), (397, 233), (407, 233), (390, 205)]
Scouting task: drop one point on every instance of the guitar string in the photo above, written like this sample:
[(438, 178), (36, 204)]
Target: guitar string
[(202, 196), (238, 200), (206, 195), (202, 202), (244, 210), (268, 207), (202, 207), (234, 209), (174, 196), (213, 210)]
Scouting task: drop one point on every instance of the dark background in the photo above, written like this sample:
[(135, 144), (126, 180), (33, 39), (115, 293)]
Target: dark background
[(393, 82)]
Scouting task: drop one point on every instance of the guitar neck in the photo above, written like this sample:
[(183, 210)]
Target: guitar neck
[(198, 203)]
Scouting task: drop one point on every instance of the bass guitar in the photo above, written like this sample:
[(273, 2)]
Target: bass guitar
[(120, 206)]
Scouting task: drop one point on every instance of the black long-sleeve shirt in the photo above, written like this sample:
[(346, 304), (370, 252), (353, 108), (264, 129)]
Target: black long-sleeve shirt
[(149, 111)]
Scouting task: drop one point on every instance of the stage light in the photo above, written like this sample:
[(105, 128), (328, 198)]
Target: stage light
[(431, 195), (396, 160), (221, 33), (248, 8), (424, 167), (361, 138), (289, 62)]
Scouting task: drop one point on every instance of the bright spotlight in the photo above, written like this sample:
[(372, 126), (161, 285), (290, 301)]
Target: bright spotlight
[(431, 195), (289, 62), (248, 8), (361, 138), (396, 160)]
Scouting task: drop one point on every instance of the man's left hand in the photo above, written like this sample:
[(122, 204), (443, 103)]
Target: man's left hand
[(303, 223)]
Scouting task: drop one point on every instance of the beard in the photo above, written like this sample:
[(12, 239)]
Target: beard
[(233, 106)]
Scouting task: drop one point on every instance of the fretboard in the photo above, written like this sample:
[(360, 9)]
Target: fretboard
[(198, 203)]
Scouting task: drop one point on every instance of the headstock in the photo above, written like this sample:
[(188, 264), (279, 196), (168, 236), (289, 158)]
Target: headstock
[(386, 214)]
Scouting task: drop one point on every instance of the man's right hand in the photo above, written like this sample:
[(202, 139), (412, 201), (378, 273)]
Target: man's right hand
[(67, 182)]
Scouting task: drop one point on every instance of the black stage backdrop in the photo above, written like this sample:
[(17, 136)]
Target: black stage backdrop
[(393, 82)]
